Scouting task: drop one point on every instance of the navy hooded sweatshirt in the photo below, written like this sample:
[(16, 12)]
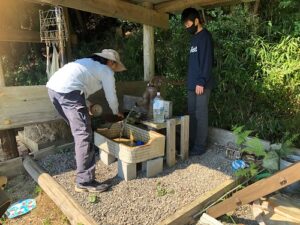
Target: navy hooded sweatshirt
[(201, 61)]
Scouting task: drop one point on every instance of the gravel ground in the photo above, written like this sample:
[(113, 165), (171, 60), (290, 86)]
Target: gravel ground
[(143, 200)]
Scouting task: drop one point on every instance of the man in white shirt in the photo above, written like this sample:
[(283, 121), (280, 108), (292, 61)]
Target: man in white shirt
[(68, 90)]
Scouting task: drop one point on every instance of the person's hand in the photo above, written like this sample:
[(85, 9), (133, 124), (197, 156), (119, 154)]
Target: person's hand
[(121, 115), (199, 90)]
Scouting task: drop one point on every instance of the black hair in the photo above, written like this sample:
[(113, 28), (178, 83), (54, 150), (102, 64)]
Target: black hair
[(190, 14), (99, 59)]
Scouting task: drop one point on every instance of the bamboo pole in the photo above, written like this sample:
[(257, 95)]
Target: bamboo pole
[(73, 211)]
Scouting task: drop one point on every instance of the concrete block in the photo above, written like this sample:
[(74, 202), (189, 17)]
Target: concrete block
[(127, 171), (223, 137), (106, 158), (154, 167)]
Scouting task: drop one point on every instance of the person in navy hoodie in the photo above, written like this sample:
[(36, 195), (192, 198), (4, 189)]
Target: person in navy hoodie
[(200, 80)]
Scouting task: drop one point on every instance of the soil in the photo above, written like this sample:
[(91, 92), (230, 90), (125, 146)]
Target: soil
[(46, 212)]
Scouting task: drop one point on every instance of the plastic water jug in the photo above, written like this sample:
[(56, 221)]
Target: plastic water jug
[(158, 109)]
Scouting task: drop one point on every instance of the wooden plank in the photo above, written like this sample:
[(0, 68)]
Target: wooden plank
[(176, 5), (276, 219), (171, 142), (114, 8), (185, 214), (25, 105), (12, 167), (72, 210), (257, 190), (184, 137), (20, 106), (208, 220), (286, 207)]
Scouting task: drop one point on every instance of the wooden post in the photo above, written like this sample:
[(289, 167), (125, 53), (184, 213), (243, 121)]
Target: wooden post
[(73, 211), (61, 42), (68, 27), (148, 47), (256, 6), (2, 79), (171, 142), (184, 137), (8, 143)]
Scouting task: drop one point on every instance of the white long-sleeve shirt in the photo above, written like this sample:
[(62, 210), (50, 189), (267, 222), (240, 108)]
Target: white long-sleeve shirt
[(88, 76)]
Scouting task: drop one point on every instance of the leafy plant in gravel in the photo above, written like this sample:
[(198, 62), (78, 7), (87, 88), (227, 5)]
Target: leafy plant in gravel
[(252, 146), (248, 172), (3, 220), (46, 221), (38, 190), (93, 198), (161, 190), (246, 144)]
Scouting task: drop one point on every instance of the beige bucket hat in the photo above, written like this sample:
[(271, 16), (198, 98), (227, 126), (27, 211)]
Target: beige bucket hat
[(114, 56)]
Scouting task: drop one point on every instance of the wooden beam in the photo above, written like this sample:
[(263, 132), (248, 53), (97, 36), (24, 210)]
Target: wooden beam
[(185, 215), (114, 8), (25, 36), (73, 211), (176, 5), (257, 190), (20, 36), (148, 48)]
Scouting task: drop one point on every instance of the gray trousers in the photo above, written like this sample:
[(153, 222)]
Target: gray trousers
[(198, 111), (72, 107)]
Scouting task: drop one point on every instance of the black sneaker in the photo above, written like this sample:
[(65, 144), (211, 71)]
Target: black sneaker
[(93, 186)]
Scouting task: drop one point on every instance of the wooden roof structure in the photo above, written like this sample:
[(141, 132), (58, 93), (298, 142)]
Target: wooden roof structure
[(150, 12)]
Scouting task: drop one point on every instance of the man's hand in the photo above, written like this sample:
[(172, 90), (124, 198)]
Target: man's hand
[(199, 90), (121, 115)]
